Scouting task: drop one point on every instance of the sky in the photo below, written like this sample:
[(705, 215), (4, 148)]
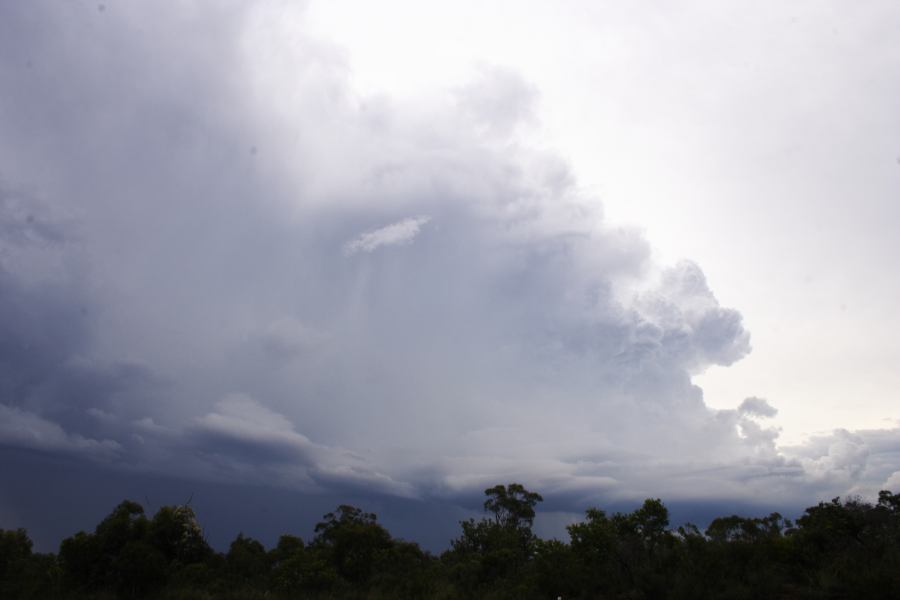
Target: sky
[(273, 256)]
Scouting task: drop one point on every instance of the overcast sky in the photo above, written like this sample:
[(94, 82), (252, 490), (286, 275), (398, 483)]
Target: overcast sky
[(398, 252)]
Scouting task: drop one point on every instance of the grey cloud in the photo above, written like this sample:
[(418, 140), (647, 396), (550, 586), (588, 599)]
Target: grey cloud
[(848, 462), (250, 431), (148, 425), (46, 320), (288, 338), (694, 325), (757, 407), (844, 453), (519, 336), (251, 437), (24, 223), (27, 430)]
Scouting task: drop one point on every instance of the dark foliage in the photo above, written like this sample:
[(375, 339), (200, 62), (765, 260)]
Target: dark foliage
[(837, 549)]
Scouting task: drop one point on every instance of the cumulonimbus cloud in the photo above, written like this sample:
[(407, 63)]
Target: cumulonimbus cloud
[(195, 313)]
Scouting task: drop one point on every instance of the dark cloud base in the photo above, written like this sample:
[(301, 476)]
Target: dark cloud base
[(55, 496)]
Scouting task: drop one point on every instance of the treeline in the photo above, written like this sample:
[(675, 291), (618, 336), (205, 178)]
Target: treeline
[(837, 549)]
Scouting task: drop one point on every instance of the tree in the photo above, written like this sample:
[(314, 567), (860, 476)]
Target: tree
[(741, 529), (89, 561), (512, 505), (651, 521), (247, 561), (496, 552), (175, 531), (15, 554), (296, 570), (351, 540), (594, 547), (851, 547), (15, 548), (139, 569), (627, 551)]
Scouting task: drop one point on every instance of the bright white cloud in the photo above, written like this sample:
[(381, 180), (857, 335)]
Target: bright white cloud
[(399, 233)]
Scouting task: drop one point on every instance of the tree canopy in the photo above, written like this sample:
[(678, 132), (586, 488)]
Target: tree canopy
[(842, 548)]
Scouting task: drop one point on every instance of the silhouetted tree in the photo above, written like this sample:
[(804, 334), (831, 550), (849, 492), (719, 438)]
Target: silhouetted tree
[(247, 562), (496, 550), (90, 561), (512, 505), (839, 549), (352, 541), (175, 531), (15, 554)]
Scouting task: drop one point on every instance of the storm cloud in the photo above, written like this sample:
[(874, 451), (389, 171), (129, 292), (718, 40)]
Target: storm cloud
[(220, 262)]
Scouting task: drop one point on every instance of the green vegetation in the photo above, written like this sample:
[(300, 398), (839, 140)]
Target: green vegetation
[(837, 549)]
